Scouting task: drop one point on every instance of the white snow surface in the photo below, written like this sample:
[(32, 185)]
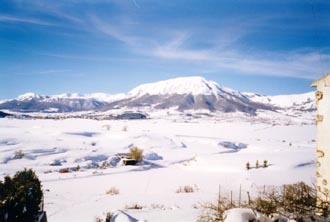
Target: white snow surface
[(284, 101), (244, 215), (191, 154), (195, 85), (29, 96), (278, 217), (290, 100), (121, 216)]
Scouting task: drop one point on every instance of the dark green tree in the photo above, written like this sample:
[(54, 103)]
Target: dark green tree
[(20, 197)]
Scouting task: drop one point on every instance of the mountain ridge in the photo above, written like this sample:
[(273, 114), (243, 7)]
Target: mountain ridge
[(182, 93)]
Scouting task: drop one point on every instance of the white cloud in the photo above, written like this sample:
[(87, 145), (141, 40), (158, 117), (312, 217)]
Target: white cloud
[(307, 63), (173, 50), (113, 31), (6, 18), (55, 71), (87, 57), (285, 64)]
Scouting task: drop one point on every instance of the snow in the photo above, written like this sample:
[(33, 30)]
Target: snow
[(290, 100), (78, 160), (233, 145), (152, 156), (120, 216), (102, 97), (178, 152), (184, 85), (244, 215), (284, 101), (276, 217), (29, 96), (300, 105), (3, 101)]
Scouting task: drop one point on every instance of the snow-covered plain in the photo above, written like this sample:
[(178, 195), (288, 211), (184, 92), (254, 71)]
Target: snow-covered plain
[(202, 153)]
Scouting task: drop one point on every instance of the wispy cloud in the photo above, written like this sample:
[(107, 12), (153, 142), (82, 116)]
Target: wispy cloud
[(304, 63), (15, 19), (49, 73), (136, 4), (173, 50), (88, 58), (59, 13), (112, 30), (285, 64), (55, 71)]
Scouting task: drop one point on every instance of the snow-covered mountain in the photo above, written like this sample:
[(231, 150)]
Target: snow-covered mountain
[(31, 102), (101, 97), (302, 102), (185, 93), (188, 93), (66, 102)]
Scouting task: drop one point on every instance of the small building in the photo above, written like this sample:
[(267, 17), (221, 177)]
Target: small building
[(322, 96), (129, 162), (126, 158)]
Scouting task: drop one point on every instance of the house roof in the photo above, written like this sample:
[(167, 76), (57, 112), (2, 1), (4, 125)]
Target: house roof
[(325, 78)]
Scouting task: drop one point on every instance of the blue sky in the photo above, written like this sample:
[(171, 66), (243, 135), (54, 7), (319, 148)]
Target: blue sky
[(270, 47)]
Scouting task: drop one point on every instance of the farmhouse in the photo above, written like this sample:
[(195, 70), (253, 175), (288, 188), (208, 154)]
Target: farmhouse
[(322, 95)]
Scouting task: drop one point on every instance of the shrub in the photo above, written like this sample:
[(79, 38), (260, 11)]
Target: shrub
[(104, 164), (248, 166), (213, 212), (19, 154), (98, 219), (296, 201), (265, 205), (20, 197), (298, 198), (136, 154), (112, 191), (265, 164), (134, 207), (107, 218), (186, 189)]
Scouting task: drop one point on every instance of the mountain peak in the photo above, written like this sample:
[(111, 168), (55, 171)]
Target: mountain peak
[(29, 96), (194, 85)]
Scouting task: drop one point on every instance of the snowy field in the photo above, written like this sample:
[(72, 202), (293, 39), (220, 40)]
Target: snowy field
[(200, 153)]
